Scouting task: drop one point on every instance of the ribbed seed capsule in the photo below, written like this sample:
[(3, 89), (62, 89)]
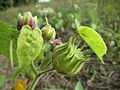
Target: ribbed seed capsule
[(67, 59)]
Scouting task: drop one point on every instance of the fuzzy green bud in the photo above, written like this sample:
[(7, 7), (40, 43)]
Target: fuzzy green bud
[(68, 59), (26, 19), (48, 32)]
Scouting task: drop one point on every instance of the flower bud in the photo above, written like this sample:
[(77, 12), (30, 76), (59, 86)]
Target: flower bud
[(20, 85), (48, 32), (68, 59), (26, 19), (57, 42)]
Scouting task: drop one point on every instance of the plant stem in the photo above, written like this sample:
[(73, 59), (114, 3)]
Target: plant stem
[(76, 23), (38, 76), (34, 82), (11, 54), (46, 71), (34, 69), (46, 21)]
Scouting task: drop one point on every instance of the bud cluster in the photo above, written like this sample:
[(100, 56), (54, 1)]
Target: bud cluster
[(48, 32), (67, 58)]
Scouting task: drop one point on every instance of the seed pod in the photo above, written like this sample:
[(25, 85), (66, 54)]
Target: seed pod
[(26, 19), (68, 59), (48, 32)]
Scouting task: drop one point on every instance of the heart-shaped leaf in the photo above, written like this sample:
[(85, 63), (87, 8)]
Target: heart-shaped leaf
[(29, 46)]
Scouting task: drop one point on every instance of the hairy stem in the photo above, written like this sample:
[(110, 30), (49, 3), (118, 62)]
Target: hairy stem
[(11, 54), (34, 82), (46, 21), (34, 69), (46, 71), (38, 76)]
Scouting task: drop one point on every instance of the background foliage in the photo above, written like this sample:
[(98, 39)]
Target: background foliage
[(4, 4)]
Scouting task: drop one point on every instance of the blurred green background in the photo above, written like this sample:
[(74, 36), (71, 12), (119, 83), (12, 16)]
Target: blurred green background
[(101, 15)]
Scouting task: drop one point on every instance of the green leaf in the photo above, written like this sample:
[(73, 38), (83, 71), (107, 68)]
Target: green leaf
[(79, 86), (2, 79), (6, 33), (29, 46), (94, 40)]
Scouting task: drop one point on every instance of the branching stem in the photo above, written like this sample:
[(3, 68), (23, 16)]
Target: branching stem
[(46, 71), (38, 76), (34, 69), (34, 82)]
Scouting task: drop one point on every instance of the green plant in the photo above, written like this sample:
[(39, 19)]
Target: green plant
[(79, 86), (29, 45)]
